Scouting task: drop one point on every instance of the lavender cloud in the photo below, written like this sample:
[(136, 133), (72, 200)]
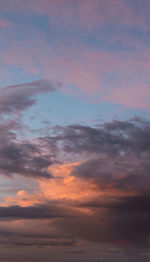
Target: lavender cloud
[(17, 98)]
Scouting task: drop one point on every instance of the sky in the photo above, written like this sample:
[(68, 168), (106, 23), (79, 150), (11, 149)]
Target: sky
[(74, 130)]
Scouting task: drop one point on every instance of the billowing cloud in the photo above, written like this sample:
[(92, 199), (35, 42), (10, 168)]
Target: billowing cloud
[(117, 137), (23, 156), (104, 198), (101, 199)]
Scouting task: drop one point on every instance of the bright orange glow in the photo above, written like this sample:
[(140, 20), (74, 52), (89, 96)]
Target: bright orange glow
[(66, 186), (23, 199)]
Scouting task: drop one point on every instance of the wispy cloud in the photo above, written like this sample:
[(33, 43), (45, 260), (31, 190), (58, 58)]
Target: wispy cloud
[(15, 99)]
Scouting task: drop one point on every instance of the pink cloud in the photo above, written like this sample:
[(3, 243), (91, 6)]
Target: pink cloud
[(89, 72), (90, 14), (132, 96), (4, 23)]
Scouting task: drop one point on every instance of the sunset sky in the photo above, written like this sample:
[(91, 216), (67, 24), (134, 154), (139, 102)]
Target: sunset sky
[(74, 130)]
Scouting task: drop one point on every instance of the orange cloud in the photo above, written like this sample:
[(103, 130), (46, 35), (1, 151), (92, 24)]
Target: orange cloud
[(63, 186), (23, 198), (66, 186)]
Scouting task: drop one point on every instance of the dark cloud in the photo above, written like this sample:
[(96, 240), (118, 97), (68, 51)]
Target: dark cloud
[(24, 242), (24, 159), (125, 173), (117, 153), (27, 157), (37, 228), (16, 98), (30, 212), (117, 161), (18, 155), (117, 137), (123, 222)]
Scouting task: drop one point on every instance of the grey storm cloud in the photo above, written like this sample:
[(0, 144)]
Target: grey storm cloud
[(116, 157), (116, 153), (121, 221), (126, 173), (21, 159), (116, 137), (23, 156)]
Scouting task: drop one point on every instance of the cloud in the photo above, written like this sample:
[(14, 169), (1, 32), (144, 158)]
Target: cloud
[(40, 243), (103, 198), (121, 221), (90, 14), (25, 158), (117, 137), (17, 98), (31, 212), (104, 68), (19, 155), (115, 158), (65, 187), (124, 220), (115, 154)]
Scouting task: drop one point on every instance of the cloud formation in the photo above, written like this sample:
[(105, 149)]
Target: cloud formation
[(74, 192), (102, 199), (27, 157), (116, 160), (15, 99), (18, 154)]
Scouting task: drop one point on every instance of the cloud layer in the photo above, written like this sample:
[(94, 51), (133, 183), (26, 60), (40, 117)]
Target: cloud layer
[(112, 175), (73, 188)]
